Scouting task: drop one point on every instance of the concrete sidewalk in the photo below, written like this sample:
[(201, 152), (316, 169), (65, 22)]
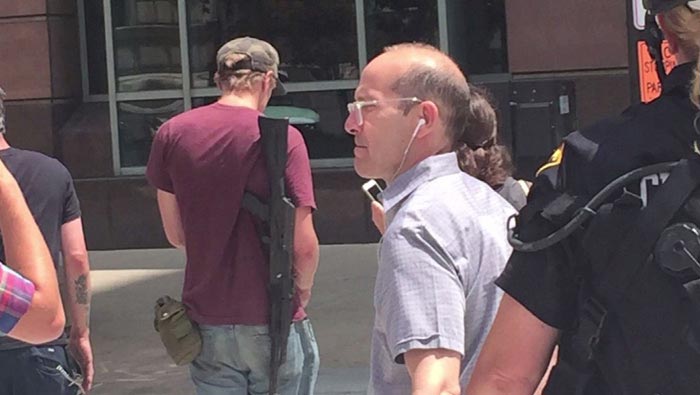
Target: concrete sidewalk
[(130, 360)]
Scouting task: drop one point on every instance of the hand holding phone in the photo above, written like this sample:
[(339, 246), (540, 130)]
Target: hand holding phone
[(372, 190)]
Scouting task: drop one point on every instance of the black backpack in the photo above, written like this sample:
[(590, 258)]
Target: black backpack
[(636, 259)]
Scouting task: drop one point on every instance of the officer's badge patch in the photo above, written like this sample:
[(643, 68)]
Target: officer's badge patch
[(554, 159)]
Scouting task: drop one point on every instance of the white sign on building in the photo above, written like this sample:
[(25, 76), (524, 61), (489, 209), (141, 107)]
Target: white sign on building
[(639, 12)]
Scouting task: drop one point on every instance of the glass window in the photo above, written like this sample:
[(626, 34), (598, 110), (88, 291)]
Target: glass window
[(95, 39), (203, 101), (477, 35), (316, 40), (146, 45), (138, 123), (319, 116), (390, 22)]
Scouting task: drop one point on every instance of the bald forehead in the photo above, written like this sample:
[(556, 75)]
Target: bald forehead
[(398, 62), (427, 58), (377, 77), (380, 75)]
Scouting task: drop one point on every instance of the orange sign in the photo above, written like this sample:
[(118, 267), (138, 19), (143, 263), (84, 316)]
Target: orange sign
[(649, 85)]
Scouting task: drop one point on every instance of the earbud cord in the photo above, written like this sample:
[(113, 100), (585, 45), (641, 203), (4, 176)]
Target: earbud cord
[(408, 147)]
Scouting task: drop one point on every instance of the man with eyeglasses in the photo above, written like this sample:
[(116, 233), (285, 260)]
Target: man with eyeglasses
[(444, 241)]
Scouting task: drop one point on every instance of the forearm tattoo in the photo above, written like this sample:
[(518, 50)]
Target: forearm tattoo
[(81, 290)]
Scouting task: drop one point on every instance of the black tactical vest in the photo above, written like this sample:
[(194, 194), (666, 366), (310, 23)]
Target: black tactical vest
[(633, 248), (638, 328)]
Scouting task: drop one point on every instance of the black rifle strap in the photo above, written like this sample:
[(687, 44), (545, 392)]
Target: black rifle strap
[(255, 206), (261, 211)]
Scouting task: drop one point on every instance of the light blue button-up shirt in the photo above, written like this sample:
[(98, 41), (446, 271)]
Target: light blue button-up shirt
[(444, 245)]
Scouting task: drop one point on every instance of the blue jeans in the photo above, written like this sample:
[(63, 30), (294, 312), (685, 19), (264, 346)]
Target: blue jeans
[(34, 370), (235, 360), (311, 357)]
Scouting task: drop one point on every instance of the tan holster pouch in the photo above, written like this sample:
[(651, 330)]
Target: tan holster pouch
[(179, 334)]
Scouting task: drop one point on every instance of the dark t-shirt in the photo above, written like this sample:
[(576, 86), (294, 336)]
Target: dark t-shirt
[(661, 131), (47, 187), (208, 158)]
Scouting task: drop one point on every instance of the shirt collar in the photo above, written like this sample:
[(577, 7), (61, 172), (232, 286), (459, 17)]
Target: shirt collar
[(426, 170)]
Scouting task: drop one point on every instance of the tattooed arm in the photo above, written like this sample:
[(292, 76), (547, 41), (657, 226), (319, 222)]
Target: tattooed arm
[(75, 258)]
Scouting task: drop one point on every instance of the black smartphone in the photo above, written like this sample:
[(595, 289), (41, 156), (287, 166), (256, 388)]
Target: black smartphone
[(372, 190)]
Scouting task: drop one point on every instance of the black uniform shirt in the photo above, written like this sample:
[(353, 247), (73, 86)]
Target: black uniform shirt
[(644, 134)]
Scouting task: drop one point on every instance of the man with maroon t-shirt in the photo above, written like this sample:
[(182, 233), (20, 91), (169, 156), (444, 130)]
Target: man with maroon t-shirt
[(202, 162)]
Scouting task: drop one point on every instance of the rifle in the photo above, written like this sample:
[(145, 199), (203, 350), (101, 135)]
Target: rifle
[(277, 235)]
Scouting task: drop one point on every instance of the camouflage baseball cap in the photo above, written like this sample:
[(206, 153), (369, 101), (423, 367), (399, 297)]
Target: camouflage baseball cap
[(2, 111), (260, 56)]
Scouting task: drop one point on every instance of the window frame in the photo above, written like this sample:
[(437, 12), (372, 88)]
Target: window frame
[(187, 93)]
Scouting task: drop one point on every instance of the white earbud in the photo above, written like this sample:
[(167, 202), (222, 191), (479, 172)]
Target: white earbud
[(421, 123)]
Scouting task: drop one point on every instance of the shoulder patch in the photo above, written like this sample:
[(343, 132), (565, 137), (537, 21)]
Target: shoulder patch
[(554, 160)]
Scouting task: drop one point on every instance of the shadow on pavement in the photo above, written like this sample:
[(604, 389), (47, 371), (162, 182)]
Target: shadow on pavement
[(130, 360)]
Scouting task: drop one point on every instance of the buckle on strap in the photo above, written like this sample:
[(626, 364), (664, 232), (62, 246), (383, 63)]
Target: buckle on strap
[(591, 325)]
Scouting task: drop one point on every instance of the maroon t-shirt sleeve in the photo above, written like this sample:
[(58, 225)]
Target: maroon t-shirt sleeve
[(298, 173), (157, 169)]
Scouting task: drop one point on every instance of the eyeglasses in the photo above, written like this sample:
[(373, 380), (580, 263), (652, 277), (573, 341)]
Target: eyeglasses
[(355, 108)]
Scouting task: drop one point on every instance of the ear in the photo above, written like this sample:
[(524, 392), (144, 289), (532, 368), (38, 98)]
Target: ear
[(270, 79), (430, 113), (673, 41), (216, 80)]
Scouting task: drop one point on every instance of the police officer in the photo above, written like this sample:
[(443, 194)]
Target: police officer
[(618, 332)]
